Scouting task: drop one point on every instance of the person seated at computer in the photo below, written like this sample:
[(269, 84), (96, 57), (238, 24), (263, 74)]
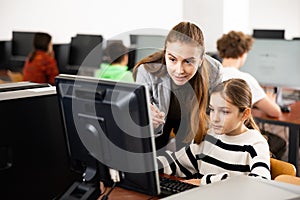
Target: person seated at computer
[(233, 144), (179, 79), (233, 48), (116, 68), (41, 66)]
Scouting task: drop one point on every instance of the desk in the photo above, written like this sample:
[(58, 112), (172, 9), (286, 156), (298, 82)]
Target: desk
[(237, 187), (241, 187), (291, 120), (119, 193)]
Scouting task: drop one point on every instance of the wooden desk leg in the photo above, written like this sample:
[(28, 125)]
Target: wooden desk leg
[(294, 133)]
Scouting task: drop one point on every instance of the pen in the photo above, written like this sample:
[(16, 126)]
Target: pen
[(154, 102)]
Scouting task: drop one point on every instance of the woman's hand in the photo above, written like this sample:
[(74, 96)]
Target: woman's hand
[(158, 117)]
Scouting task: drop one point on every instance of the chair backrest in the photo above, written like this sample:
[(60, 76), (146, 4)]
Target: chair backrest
[(279, 167)]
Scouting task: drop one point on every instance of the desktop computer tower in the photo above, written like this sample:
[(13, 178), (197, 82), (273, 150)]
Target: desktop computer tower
[(33, 152)]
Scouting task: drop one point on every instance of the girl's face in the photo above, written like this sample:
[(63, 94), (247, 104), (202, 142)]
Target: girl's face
[(182, 60), (225, 118)]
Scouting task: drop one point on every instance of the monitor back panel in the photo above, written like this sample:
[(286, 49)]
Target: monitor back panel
[(33, 152)]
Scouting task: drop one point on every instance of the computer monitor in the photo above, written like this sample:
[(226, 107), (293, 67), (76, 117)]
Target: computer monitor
[(275, 62), (108, 123), (22, 43), (34, 162), (12, 86), (146, 44), (86, 50), (268, 33)]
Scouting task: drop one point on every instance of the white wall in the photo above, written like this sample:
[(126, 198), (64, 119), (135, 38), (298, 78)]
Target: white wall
[(65, 18), (276, 14), (216, 17), (208, 15), (115, 18)]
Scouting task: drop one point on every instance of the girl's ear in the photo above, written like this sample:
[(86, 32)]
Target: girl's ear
[(246, 114)]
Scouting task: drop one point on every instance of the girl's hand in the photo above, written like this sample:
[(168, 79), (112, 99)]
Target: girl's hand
[(157, 116), (193, 181)]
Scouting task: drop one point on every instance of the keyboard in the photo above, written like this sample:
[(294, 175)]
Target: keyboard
[(170, 186)]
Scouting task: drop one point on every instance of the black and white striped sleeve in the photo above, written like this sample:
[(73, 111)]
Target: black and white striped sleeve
[(181, 163)]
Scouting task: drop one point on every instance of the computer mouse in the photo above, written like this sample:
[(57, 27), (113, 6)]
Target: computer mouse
[(285, 108)]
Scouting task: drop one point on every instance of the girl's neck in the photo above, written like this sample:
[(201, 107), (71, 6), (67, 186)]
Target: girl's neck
[(232, 62)]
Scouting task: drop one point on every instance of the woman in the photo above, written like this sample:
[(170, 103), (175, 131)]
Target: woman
[(179, 78), (40, 66)]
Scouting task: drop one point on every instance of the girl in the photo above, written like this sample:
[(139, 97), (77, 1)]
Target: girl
[(232, 146), (179, 78), (41, 66)]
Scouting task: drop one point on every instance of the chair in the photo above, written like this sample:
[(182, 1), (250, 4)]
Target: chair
[(288, 179), (279, 167), (15, 76)]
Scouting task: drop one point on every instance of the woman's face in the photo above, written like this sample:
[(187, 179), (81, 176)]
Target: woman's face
[(182, 60)]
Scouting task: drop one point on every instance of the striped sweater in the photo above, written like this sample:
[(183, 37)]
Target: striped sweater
[(219, 157)]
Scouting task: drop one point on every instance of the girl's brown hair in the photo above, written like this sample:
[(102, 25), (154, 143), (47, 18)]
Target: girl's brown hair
[(40, 42), (186, 32), (238, 93)]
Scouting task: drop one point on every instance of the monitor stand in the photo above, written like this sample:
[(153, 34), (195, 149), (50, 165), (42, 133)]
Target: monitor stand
[(88, 189), (279, 100)]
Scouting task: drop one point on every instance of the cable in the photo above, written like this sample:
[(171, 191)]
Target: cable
[(105, 197)]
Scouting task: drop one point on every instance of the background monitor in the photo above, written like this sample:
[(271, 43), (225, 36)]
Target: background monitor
[(86, 50), (108, 123), (22, 43), (275, 62), (34, 163), (12, 86), (268, 33), (145, 45)]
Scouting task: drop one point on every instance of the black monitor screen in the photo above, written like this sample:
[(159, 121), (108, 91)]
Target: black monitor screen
[(86, 50), (22, 43), (268, 34), (145, 45), (109, 122)]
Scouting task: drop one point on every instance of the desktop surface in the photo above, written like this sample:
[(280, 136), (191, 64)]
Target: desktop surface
[(242, 187)]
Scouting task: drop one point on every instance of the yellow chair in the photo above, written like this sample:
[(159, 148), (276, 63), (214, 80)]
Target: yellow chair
[(279, 167)]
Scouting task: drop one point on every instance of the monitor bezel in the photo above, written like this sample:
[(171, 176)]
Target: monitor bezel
[(126, 182)]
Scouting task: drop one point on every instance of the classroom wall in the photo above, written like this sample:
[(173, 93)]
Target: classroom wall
[(216, 17), (65, 18), (115, 19)]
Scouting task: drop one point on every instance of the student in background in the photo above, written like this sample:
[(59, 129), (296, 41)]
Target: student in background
[(233, 48), (40, 66), (233, 145), (179, 79), (116, 68)]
